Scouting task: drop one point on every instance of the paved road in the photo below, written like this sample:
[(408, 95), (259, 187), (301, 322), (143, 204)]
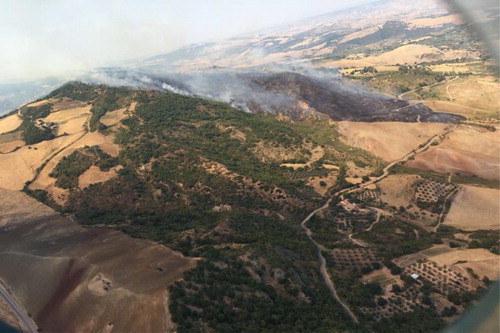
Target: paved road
[(27, 324)]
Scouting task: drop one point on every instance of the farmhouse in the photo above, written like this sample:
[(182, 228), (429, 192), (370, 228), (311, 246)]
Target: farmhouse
[(348, 206), (40, 123)]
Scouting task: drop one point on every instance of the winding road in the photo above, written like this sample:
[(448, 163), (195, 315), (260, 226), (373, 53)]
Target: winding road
[(377, 220), (323, 270), (27, 324), (400, 96)]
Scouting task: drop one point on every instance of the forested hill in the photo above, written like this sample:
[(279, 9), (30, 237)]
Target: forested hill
[(232, 188), (209, 180)]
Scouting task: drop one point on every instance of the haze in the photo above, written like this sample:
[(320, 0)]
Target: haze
[(56, 37)]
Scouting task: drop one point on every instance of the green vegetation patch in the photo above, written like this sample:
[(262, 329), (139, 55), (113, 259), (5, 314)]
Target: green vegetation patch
[(103, 99), (72, 166), (31, 132)]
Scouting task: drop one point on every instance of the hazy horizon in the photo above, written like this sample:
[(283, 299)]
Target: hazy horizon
[(65, 38)]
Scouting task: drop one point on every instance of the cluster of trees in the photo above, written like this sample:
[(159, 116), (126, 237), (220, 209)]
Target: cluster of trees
[(31, 133), (72, 166), (221, 295), (103, 99), (392, 244), (486, 239)]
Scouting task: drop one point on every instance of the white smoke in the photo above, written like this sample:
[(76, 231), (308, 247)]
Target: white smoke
[(175, 90)]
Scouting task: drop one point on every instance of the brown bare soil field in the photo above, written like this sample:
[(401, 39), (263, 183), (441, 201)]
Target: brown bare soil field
[(94, 175), (17, 207), (452, 107), (380, 68), (475, 92), (353, 180), (10, 123), (65, 115), (474, 67), (384, 278), (467, 150), (475, 208), (482, 261), (72, 126), (330, 180), (113, 117), (66, 103), (407, 54), (50, 263), (12, 136), (7, 147), (20, 166), (294, 166), (70, 121), (410, 259), (397, 190), (388, 140), (331, 167), (436, 21), (42, 102), (45, 182)]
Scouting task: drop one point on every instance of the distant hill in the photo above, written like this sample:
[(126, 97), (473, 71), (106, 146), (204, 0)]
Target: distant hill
[(356, 32), (13, 95)]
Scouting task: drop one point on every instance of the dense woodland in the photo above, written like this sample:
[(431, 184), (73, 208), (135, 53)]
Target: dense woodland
[(195, 178), (31, 133)]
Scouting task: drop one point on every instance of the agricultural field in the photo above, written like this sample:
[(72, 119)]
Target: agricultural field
[(20, 165), (355, 259), (481, 261), (475, 208), (430, 194), (471, 113), (458, 153), (112, 118), (388, 140), (138, 275), (10, 123), (238, 207), (406, 54), (398, 190), (473, 91), (468, 67), (445, 279)]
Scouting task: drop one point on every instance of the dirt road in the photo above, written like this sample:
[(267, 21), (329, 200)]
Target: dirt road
[(442, 215), (400, 96), (324, 272), (323, 269)]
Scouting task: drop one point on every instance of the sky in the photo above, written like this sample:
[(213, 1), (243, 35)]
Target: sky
[(43, 38)]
